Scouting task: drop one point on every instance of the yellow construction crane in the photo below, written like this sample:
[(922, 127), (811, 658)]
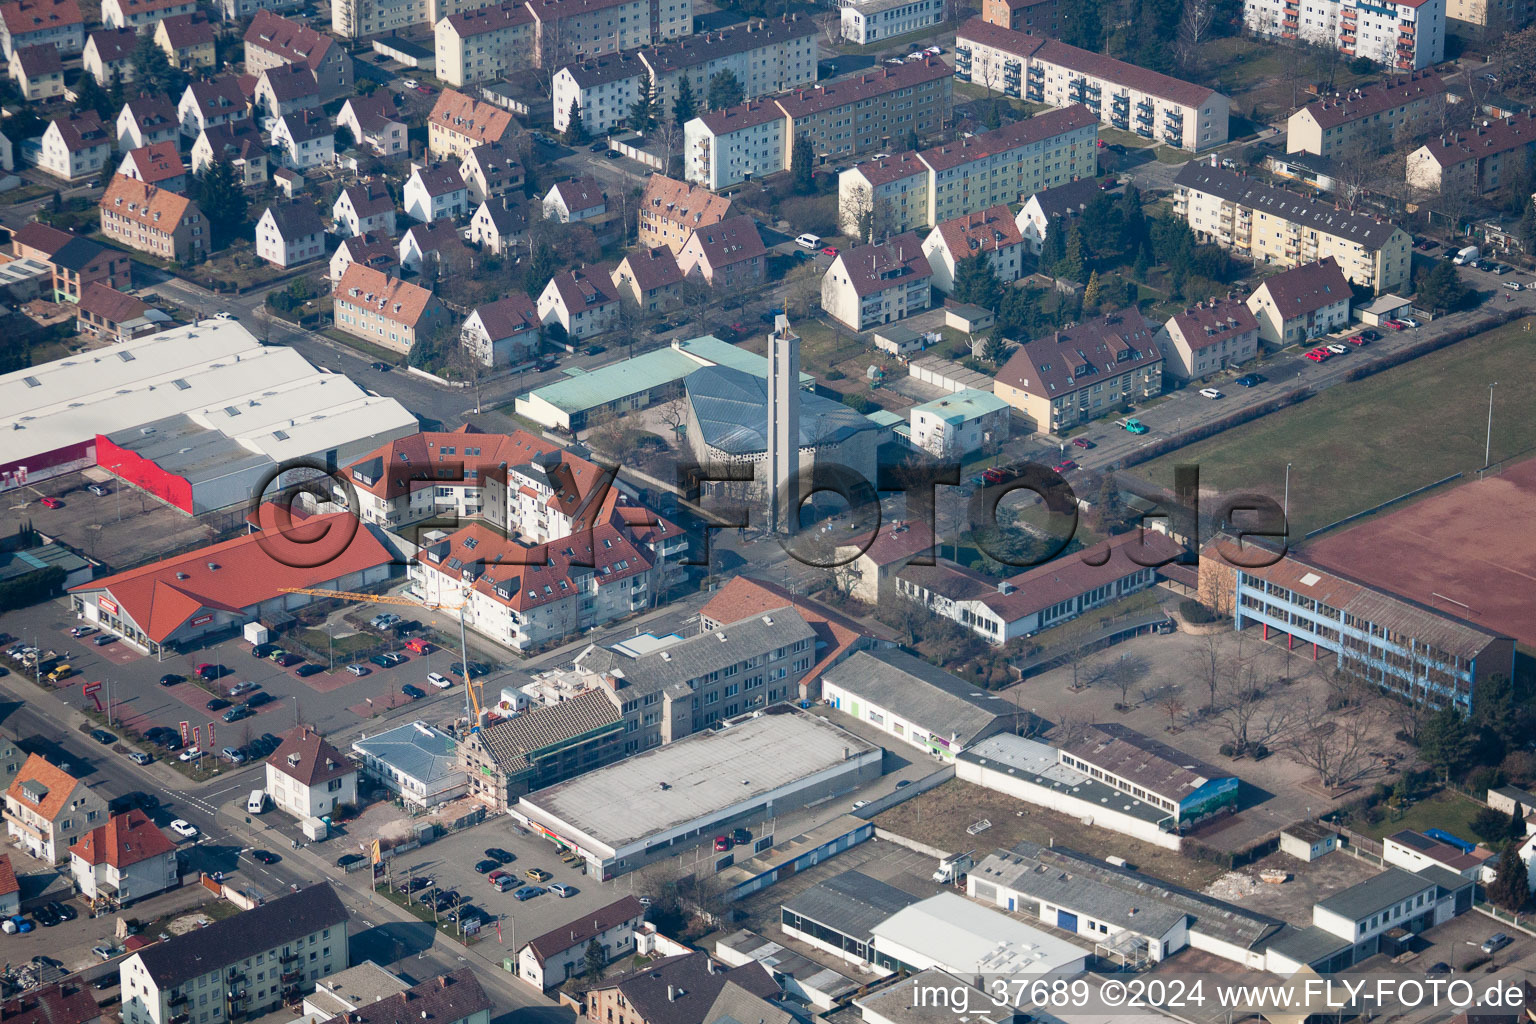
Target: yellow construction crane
[(472, 705)]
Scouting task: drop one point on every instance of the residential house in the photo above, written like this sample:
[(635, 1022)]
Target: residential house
[(1054, 205), (38, 72), (278, 949), (868, 21), (157, 164), (498, 224), (1475, 160), (112, 316), (722, 148), (1072, 376), (679, 990), (1402, 35), (876, 559), (672, 210), (959, 423), (210, 102), (1271, 225), (423, 243), (153, 220), (455, 998), (290, 233), (146, 121), (649, 280), (304, 138), (1040, 69), (1371, 118), (990, 232), (1209, 336), (371, 250), (187, 40), (307, 777), (286, 89), (108, 55), (416, 762), (123, 861), (1302, 303), (55, 23), (384, 310), (559, 955), (491, 171), (458, 123), (485, 44), (1415, 851), (64, 1002), (583, 301), (272, 41), (362, 208), (240, 144), (1035, 17), (729, 254), (47, 810), (436, 192), (77, 262), (239, 10), (870, 285), (506, 332), (577, 199), (142, 15), (375, 123), (922, 706), (75, 146)]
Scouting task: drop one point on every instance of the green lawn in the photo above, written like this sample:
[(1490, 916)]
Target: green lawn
[(1361, 443), (371, 351), (1447, 810)]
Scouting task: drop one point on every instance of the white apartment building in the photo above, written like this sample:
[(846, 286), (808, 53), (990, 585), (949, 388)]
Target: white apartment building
[(483, 45), (726, 147), (241, 967), (566, 29), (908, 191), (142, 15), (357, 19), (868, 21), (1271, 225), (75, 146), (878, 284), (1403, 35), (1380, 114), (1121, 95), (958, 424), (363, 208), (1301, 304), (307, 777), (290, 233)]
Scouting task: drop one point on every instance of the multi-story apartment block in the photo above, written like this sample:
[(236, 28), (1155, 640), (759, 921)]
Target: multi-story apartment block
[(868, 21), (1207, 337), (955, 178), (272, 41), (868, 111), (877, 284), (124, 860), (566, 29), (47, 810), (75, 145), (152, 220), (385, 310), (1072, 376), (1423, 654), (459, 123), (1271, 225), (1302, 303), (76, 262), (239, 10), (1403, 35), (1485, 20), (1035, 17), (990, 232), (484, 45), (358, 19), (726, 147), (1476, 160), (243, 966), (1121, 95), (55, 23), (142, 15), (764, 56), (1379, 115)]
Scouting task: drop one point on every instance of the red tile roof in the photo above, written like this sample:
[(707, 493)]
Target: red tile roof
[(25, 16), (805, 102), (581, 194), (734, 240), (81, 130), (241, 573), (836, 634), (651, 268), (294, 42), (891, 168), (1211, 323), (386, 471), (394, 299), (479, 122), (1045, 125), (64, 1002), (125, 840), (8, 883), (581, 290), (60, 786), (744, 115), (490, 19), (39, 60), (157, 162), (895, 543), (983, 231), (109, 304), (183, 30), (582, 930), (1068, 576), (514, 314), (1487, 138)]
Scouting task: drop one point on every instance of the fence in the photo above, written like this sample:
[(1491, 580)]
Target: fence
[(1363, 847), (1112, 633), (1377, 508)]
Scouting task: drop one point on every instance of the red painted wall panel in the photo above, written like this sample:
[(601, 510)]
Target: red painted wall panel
[(143, 473)]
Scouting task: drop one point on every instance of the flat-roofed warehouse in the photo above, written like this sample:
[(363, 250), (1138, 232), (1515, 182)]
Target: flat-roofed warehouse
[(627, 815)]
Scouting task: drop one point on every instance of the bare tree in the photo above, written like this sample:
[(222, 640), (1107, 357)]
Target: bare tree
[(1336, 747), (674, 414), (831, 25), (1247, 717), (1194, 29), (1122, 673), (1172, 705), (1208, 665)]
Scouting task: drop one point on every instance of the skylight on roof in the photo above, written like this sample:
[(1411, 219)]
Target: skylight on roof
[(1310, 579)]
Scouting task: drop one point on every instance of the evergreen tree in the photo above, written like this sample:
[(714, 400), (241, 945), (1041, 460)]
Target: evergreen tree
[(542, 266), (1445, 742), (1093, 293), (1511, 889), (684, 106), (89, 95), (724, 91), (593, 961), (1528, 227), (1441, 290), (645, 112), (990, 118), (995, 349), (801, 171), (1054, 249), (153, 71), (1072, 266), (977, 283), (913, 142), (1080, 26), (575, 130), (221, 199), (342, 138)]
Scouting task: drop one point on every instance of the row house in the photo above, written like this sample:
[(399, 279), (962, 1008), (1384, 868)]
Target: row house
[(1210, 336), (671, 210), (159, 164), (729, 254), (1303, 303), (142, 15), (290, 233), (272, 41), (147, 121), (1402, 35), (1271, 225), (649, 280), (990, 232), (506, 332), (56, 23), (303, 139), (583, 301), (458, 123), (383, 310), (1379, 116), (436, 193), (75, 146), (1133, 99), (153, 220), (375, 123), (870, 285), (187, 40), (77, 263), (363, 207), (240, 145), (911, 190), (108, 55), (1078, 374)]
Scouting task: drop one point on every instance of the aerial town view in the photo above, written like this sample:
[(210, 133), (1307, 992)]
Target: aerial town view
[(768, 511)]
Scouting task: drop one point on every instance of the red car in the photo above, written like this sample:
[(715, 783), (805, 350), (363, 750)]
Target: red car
[(1318, 355), (1356, 339), (52, 503), (418, 645), (722, 843), (1082, 442), (1393, 325), (1064, 465), (830, 250), (995, 476)]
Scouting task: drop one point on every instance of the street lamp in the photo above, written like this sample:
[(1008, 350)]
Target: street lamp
[(1286, 508), (1488, 441)]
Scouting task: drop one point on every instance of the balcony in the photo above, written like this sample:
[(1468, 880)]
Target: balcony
[(1120, 121), (1035, 93), (177, 999), (1036, 73), (1144, 117), (180, 1018), (291, 977), (1144, 130), (1011, 89)]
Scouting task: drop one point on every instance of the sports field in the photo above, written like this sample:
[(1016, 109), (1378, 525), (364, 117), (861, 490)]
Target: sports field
[(1361, 443)]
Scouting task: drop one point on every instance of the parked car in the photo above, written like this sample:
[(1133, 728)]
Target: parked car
[(1066, 464), (1338, 349), (262, 650), (240, 688), (537, 875), (486, 866), (1356, 339), (237, 714), (1210, 393), (1370, 335), (1083, 442), (359, 670), (499, 855), (80, 631), (286, 658), (103, 640), (722, 843), (1409, 321), (51, 502), (104, 951), (257, 700), (741, 836), (208, 672), (190, 754), (307, 670), (348, 859), (563, 891), (413, 692), (439, 680), (217, 704), (419, 646), (232, 754), (103, 737), (171, 679), (528, 892), (100, 490), (138, 757), (1495, 942), (383, 661)]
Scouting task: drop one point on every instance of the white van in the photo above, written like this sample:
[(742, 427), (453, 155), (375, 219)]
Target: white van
[(257, 801), (809, 241)]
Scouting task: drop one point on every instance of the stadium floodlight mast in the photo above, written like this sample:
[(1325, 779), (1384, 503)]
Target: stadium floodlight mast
[(1488, 441)]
